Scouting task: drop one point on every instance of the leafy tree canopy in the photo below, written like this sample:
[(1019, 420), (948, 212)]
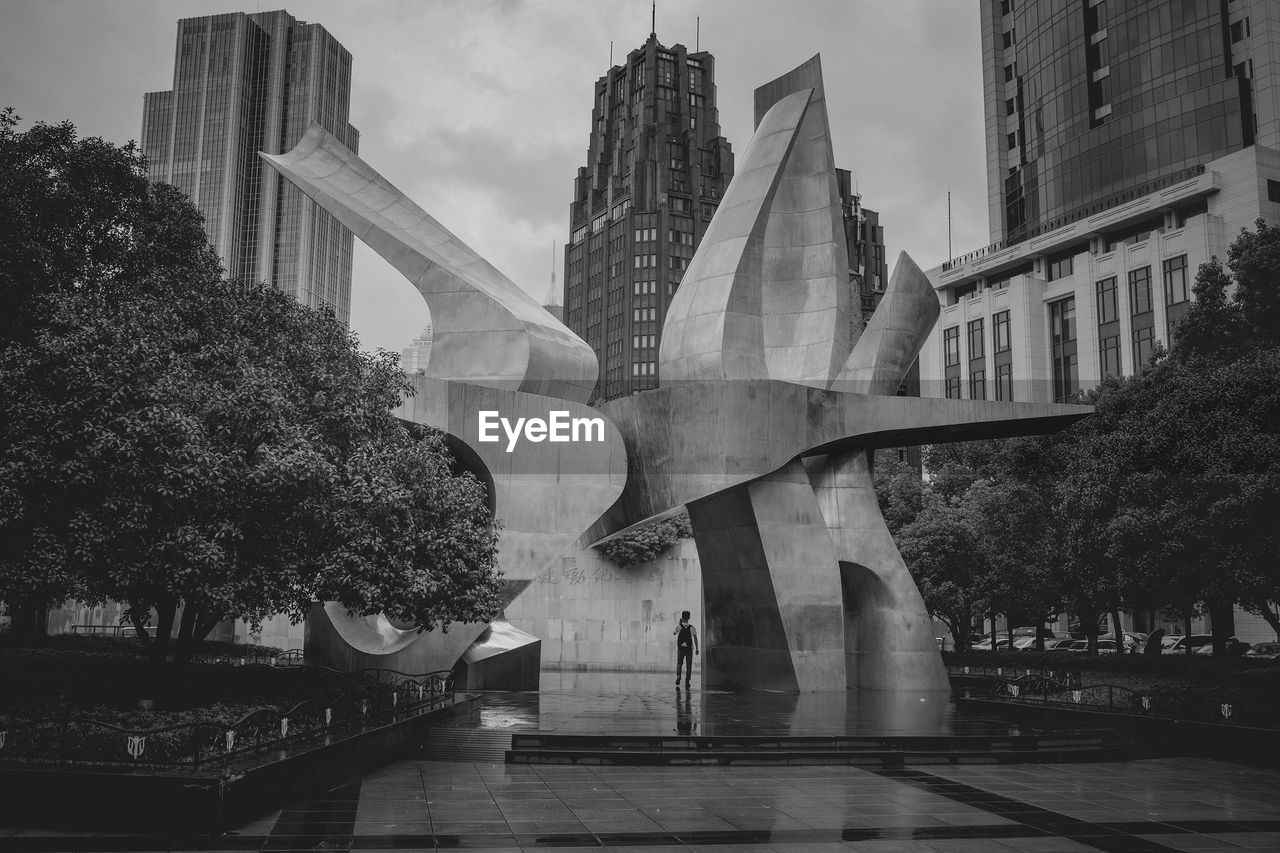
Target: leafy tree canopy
[(200, 448)]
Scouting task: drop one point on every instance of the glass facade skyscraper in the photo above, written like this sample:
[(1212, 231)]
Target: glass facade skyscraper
[(244, 83), (1095, 102)]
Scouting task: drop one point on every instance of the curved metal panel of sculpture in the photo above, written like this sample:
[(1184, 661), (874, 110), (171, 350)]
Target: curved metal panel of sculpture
[(766, 294), (494, 332)]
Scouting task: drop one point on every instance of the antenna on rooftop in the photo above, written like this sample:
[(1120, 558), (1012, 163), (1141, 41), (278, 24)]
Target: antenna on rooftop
[(610, 53), (697, 35), (653, 20)]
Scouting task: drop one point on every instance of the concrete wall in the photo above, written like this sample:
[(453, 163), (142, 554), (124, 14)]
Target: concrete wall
[(592, 615)]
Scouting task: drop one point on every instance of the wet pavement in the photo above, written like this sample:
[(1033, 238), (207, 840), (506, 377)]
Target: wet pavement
[(1186, 804), (652, 704), (1149, 805)]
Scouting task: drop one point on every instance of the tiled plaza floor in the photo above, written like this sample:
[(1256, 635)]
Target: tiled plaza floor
[(1149, 805), (1145, 805)]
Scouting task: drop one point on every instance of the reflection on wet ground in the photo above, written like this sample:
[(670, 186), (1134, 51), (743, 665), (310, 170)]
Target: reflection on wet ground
[(632, 703)]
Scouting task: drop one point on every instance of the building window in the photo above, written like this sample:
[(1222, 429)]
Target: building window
[(1004, 382), (978, 385), (1008, 73), (1237, 31), (975, 339), (1143, 343), (1175, 280), (1008, 39), (951, 346), (1060, 267), (1012, 140), (1140, 291), (1109, 355), (1009, 108), (1273, 190), (1062, 326), (1108, 311), (1000, 331), (953, 387)]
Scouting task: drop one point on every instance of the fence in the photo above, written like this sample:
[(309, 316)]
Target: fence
[(1037, 689), (371, 696)]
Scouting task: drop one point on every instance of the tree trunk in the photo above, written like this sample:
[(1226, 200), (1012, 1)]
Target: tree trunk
[(1091, 632), (1186, 622), (186, 629), (1222, 626), (993, 631), (1272, 617), (163, 639), (1117, 629), (29, 618)]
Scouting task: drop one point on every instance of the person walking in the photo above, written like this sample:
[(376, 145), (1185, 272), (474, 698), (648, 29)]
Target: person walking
[(686, 647)]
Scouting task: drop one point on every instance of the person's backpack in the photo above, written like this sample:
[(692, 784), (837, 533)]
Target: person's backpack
[(685, 638)]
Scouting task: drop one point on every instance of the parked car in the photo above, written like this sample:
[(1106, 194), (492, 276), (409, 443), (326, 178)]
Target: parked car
[(1266, 651), (1132, 642), (984, 645), (1105, 647), (1059, 644), (1029, 642), (1235, 648), (1178, 645)]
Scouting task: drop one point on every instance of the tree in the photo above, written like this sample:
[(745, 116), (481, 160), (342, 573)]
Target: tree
[(79, 216), (900, 491), (942, 552), (209, 450), (648, 542)]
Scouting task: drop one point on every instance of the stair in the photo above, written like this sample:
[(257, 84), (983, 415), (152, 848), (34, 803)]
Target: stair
[(450, 744), (874, 751)]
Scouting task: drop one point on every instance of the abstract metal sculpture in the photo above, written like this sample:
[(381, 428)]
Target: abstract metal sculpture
[(764, 426)]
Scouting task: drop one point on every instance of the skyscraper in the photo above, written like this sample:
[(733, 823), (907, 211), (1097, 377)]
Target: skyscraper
[(1126, 145), (244, 83), (657, 167), (868, 269), (414, 357)]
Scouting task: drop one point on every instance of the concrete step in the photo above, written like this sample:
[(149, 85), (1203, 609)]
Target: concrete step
[(537, 748)]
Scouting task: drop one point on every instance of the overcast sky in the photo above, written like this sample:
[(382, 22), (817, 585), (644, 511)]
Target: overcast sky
[(480, 109)]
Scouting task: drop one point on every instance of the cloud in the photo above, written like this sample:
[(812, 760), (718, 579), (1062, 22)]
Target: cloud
[(481, 109)]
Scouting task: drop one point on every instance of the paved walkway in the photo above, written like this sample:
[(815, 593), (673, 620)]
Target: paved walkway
[(1150, 805)]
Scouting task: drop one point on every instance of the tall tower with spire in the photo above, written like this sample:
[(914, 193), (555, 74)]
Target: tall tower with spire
[(656, 169)]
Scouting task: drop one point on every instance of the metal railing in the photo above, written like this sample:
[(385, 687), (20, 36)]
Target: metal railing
[(369, 697), (1034, 689), (1082, 213), (1051, 675)]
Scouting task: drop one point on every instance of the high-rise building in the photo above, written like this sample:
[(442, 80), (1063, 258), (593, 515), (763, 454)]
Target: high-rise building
[(414, 357), (1126, 145), (868, 269), (244, 83), (656, 169)]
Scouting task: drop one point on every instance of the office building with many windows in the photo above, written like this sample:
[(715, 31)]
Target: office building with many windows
[(1127, 143), (244, 83), (656, 169)]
